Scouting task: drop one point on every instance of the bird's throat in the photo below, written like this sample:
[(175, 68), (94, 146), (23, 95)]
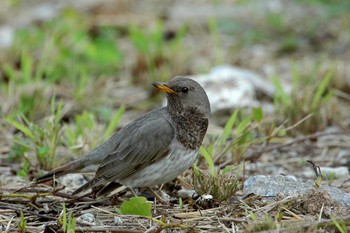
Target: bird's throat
[(191, 126)]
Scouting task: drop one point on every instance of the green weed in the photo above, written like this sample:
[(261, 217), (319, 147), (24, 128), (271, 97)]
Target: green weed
[(64, 51), (67, 40), (42, 140), (221, 184), (340, 225), (68, 223), (22, 225), (23, 93), (260, 225), (137, 206), (228, 148), (307, 98), (239, 133), (80, 131)]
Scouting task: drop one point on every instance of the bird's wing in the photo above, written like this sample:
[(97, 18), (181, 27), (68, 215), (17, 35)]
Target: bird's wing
[(145, 141)]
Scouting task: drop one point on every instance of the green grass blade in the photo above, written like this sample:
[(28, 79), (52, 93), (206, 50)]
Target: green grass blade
[(258, 114), (57, 112), (243, 125), (228, 169), (24, 129), (321, 90), (281, 97), (27, 67), (228, 127), (295, 78), (9, 72), (341, 228), (114, 123), (195, 170), (208, 159), (63, 218)]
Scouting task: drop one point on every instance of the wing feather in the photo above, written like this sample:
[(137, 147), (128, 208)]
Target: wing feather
[(143, 143)]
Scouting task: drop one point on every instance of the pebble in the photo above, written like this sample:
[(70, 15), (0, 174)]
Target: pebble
[(118, 220), (185, 194), (87, 218), (72, 181)]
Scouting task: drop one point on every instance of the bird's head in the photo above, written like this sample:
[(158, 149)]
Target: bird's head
[(184, 94)]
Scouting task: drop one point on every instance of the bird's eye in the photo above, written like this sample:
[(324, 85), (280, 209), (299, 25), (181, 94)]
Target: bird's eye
[(184, 89)]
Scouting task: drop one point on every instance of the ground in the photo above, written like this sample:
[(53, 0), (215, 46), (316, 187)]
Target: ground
[(71, 74)]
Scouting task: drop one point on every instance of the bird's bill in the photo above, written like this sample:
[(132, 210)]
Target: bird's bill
[(163, 87)]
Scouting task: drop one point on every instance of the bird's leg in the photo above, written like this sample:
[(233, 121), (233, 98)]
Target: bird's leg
[(133, 191), (159, 198), (154, 193)]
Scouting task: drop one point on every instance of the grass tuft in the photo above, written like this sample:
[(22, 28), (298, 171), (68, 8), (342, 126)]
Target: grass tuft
[(42, 140), (307, 98), (222, 185)]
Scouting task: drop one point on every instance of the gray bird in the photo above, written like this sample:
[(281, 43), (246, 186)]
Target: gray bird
[(153, 149)]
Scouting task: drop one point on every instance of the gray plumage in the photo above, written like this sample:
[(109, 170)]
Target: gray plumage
[(153, 149)]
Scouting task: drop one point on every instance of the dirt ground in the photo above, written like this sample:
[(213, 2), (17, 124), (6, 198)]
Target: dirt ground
[(278, 39)]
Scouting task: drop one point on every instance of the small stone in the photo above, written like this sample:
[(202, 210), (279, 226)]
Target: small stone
[(185, 194), (205, 197), (118, 220), (205, 201), (87, 218), (46, 208), (72, 181), (164, 196)]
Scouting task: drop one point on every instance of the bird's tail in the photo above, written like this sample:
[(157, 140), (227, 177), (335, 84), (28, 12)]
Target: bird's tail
[(73, 167), (102, 190)]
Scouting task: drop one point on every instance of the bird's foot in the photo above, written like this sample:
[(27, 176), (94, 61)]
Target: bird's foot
[(164, 200)]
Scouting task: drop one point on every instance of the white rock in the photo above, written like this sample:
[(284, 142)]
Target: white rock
[(164, 195), (185, 193), (72, 181), (255, 79), (118, 220), (206, 197), (87, 218), (230, 87)]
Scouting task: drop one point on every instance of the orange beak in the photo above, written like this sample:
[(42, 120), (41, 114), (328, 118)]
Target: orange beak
[(163, 87)]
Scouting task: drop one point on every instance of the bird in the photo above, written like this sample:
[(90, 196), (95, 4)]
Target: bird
[(153, 149)]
